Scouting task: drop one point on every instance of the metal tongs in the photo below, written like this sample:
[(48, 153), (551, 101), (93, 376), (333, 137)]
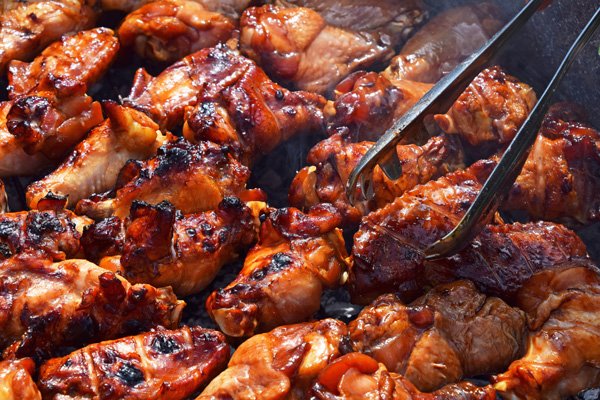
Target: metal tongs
[(438, 100)]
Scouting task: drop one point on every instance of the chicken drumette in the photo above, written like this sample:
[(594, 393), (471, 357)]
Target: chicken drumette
[(16, 382)]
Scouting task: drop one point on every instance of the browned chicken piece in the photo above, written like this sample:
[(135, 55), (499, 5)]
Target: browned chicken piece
[(490, 110), (51, 110), (230, 8), (55, 233), (445, 41), (356, 376), (396, 19), (280, 364), (192, 177), (94, 164), (163, 248), (334, 159), (29, 27), (559, 180), (168, 30), (251, 114), (297, 46), (451, 333), (298, 255), (367, 103), (16, 382), (49, 306), (3, 198), (388, 248), (160, 364), (563, 356)]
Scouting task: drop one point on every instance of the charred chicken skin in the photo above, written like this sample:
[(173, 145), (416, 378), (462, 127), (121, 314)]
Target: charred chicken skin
[(51, 110), (54, 233), (168, 30), (562, 355), (296, 45), (29, 27), (445, 41), (356, 376), (16, 382), (160, 364), (94, 164), (298, 255), (192, 177), (164, 248), (250, 113), (48, 306), (388, 248), (334, 159), (280, 364), (451, 333), (491, 109)]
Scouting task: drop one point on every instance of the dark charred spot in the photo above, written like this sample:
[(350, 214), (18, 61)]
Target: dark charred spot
[(566, 186), (259, 274), (290, 111), (138, 294), (173, 159), (207, 229), (33, 17), (208, 246), (7, 228), (191, 232), (5, 250), (130, 374), (279, 95), (239, 288), (263, 216), (164, 344), (278, 263), (41, 223), (231, 203)]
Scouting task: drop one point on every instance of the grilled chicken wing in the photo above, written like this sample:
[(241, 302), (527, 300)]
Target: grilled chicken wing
[(251, 114), (160, 364), (356, 376), (398, 20), (450, 333), (334, 159), (185, 252), (367, 103), (563, 356), (559, 179), (388, 248), (280, 364), (298, 255), (16, 382), (51, 110), (296, 45), (168, 30), (445, 41), (192, 177), (48, 306), (54, 233), (230, 8), (491, 109), (94, 164), (29, 27)]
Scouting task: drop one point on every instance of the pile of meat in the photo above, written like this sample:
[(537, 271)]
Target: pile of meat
[(138, 202)]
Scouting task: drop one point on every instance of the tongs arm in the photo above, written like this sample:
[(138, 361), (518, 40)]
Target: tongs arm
[(437, 100), (504, 175)]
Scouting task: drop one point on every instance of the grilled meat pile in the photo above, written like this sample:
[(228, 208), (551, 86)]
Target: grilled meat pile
[(137, 204)]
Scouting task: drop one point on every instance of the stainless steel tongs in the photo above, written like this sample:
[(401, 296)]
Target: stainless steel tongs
[(438, 100)]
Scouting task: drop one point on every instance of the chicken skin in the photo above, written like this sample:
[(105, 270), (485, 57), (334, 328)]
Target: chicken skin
[(50, 109), (297, 46), (168, 30), (54, 233), (298, 255), (388, 248), (490, 110), (446, 40), (334, 159), (280, 364), (30, 26), (563, 356), (48, 306), (16, 382), (192, 177), (230, 8), (451, 333), (160, 364), (356, 376), (94, 164), (163, 248)]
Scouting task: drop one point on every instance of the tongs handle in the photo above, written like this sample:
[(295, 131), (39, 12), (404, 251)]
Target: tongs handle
[(506, 172), (436, 101)]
